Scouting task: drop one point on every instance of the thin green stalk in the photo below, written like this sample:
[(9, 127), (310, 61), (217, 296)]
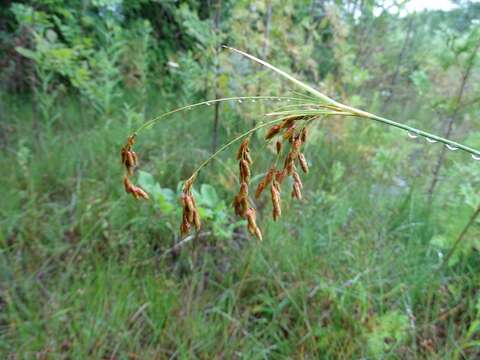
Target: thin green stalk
[(360, 113), (208, 102)]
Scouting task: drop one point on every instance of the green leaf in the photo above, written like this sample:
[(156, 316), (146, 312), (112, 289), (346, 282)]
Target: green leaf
[(26, 52), (147, 182), (388, 329), (208, 195)]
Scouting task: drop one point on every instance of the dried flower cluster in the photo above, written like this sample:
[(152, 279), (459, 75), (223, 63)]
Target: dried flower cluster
[(287, 132), (130, 161), (190, 216), (240, 202)]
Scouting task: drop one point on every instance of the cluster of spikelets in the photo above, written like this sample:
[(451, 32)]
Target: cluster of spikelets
[(190, 215), (287, 132), (291, 130), (130, 162)]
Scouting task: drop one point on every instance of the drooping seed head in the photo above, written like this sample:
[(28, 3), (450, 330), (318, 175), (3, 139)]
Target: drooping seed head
[(265, 182), (134, 158), (244, 171), (280, 176), (297, 191), (277, 210), (184, 227), (297, 179), (138, 193), (278, 146), (187, 187), (274, 130), (248, 158), (243, 148), (289, 166), (303, 162), (297, 143), (288, 134), (196, 220), (258, 234), (303, 136), (127, 184), (288, 122), (131, 141), (252, 225), (243, 189)]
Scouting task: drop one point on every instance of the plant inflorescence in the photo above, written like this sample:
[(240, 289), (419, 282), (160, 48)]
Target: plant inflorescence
[(288, 128)]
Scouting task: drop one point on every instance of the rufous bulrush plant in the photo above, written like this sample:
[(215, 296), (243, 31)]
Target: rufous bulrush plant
[(130, 161), (287, 128)]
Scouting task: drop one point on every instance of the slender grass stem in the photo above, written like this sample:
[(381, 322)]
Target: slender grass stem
[(357, 112), (149, 123)]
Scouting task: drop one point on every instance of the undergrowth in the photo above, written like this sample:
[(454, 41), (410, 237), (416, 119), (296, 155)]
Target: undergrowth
[(348, 273)]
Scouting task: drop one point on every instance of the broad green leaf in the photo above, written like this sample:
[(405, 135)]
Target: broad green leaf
[(208, 195), (27, 53)]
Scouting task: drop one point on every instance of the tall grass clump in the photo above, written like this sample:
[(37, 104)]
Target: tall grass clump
[(287, 130)]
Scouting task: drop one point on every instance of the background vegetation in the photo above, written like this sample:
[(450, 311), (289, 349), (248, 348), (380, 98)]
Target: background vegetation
[(352, 271)]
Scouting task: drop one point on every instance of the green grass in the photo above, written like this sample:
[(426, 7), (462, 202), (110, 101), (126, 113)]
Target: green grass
[(347, 273)]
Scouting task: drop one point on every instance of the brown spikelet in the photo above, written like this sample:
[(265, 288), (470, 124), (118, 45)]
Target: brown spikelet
[(288, 122), (196, 220), (265, 182), (303, 136), (297, 179), (297, 143), (274, 130), (258, 233), (237, 205), (297, 191), (244, 171), (243, 189), (248, 158), (280, 176), (189, 208), (244, 206), (190, 215), (187, 187), (131, 141), (134, 158), (243, 148), (136, 191), (303, 163), (130, 163), (184, 227), (289, 166), (127, 184), (251, 218), (129, 159), (140, 193), (240, 202), (278, 146), (252, 224), (123, 154), (275, 192), (288, 134)]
